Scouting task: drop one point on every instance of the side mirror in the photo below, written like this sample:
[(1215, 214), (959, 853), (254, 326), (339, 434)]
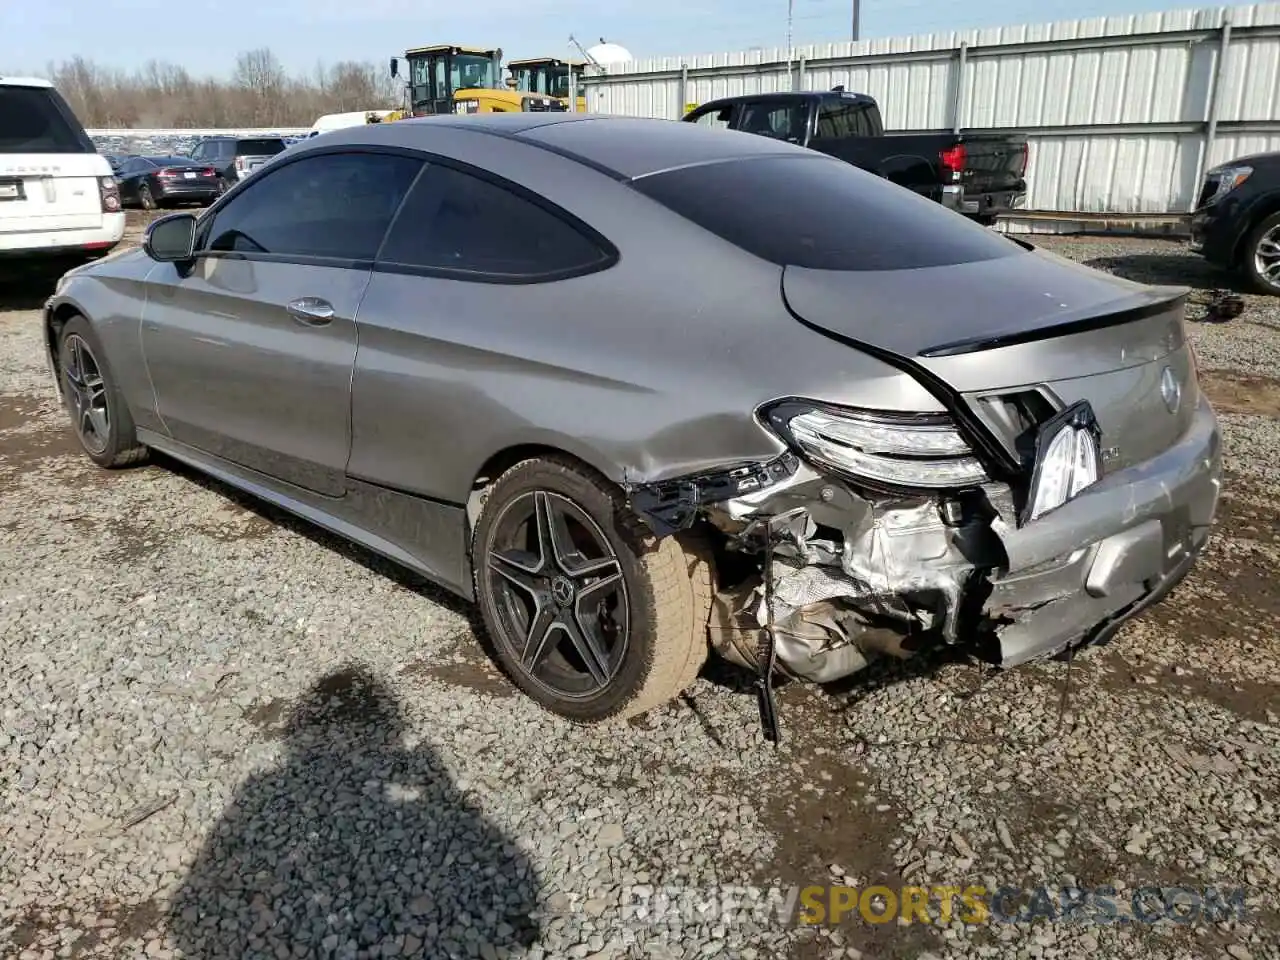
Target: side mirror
[(171, 239)]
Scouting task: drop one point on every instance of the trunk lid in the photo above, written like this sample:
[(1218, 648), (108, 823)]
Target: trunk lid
[(55, 191), (993, 162), (1009, 334)]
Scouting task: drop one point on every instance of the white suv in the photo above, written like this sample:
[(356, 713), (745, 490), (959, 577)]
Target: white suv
[(58, 198)]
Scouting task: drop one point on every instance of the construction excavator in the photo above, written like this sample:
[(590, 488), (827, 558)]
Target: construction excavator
[(550, 76), (449, 78)]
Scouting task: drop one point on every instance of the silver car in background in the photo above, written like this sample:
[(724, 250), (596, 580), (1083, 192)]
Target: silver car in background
[(640, 388)]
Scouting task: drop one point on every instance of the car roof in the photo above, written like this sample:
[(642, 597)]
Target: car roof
[(552, 61), (797, 95), (624, 148), (24, 82), (456, 47)]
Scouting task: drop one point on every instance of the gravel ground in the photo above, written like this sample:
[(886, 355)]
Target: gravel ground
[(225, 734)]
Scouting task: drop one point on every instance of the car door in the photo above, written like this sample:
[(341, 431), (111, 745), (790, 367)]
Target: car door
[(127, 178), (251, 346), (472, 265)]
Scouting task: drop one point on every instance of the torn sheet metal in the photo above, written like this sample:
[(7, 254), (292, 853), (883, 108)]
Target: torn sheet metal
[(673, 505)]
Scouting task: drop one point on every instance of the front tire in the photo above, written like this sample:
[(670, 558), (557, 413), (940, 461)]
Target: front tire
[(589, 613), (1260, 261), (99, 414)]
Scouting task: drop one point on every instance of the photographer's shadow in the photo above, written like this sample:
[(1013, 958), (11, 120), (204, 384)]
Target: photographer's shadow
[(353, 847)]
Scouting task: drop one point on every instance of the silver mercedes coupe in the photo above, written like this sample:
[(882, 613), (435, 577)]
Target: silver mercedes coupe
[(644, 390)]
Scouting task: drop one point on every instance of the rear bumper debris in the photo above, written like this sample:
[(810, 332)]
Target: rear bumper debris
[(857, 574)]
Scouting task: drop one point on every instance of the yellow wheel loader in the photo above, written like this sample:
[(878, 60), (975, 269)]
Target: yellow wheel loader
[(550, 76), (448, 78)]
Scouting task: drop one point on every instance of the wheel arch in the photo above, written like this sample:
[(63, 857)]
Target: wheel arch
[(55, 320), (508, 456), (1266, 207)]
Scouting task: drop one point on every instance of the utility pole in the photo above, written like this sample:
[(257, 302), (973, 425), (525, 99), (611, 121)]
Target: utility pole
[(857, 19), (790, 10)]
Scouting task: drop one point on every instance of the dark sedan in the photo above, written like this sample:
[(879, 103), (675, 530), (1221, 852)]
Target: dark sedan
[(151, 182), (1236, 224)]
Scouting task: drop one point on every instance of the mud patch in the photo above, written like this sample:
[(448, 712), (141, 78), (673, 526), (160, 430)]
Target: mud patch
[(268, 718), (1246, 511), (1249, 699), (23, 447), (133, 542), (344, 700), (1231, 391), (46, 929), (465, 666), (834, 820), (232, 524)]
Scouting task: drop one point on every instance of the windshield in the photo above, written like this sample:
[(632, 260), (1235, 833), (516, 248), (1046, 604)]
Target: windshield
[(546, 80), (37, 120), (470, 70)]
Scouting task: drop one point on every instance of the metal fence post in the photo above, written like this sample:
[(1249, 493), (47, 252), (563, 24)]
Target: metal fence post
[(1213, 107), (684, 90), (799, 81), (573, 90), (957, 99)]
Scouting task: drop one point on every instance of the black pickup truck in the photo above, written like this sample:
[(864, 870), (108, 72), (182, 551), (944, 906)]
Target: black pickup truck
[(981, 175)]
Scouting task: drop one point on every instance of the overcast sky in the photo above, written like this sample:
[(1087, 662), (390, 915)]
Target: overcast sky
[(205, 35)]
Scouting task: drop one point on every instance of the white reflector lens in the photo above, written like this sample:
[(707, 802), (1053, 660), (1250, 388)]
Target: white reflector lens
[(1070, 465)]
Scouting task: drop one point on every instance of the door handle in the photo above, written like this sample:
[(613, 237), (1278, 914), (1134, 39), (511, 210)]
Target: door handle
[(312, 311)]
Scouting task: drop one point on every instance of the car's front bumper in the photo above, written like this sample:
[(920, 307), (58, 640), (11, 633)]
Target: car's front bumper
[(1100, 558)]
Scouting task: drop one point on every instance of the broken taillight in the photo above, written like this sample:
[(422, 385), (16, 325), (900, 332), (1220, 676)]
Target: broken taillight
[(952, 160)]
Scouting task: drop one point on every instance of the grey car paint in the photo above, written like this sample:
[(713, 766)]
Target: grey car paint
[(383, 425)]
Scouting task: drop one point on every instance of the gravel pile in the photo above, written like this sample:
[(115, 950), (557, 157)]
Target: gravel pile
[(225, 734)]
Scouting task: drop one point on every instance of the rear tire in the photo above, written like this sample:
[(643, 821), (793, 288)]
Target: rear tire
[(145, 198), (1260, 257), (642, 603), (99, 415)]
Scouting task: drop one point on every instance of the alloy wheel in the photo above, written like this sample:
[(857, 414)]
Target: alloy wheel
[(1266, 257), (87, 395), (559, 593)]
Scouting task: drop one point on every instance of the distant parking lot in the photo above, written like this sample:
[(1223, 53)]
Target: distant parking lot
[(169, 644)]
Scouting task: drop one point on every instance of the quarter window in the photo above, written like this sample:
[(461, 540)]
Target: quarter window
[(719, 119), (454, 221), (334, 205)]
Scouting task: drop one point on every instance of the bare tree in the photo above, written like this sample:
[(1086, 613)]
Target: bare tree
[(259, 93)]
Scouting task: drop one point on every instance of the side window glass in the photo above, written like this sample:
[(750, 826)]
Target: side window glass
[(776, 120), (226, 149), (336, 205), (458, 222), (718, 119)]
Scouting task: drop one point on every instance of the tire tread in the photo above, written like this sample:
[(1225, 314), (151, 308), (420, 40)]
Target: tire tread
[(679, 573)]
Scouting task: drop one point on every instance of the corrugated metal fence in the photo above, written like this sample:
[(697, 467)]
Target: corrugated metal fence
[(1124, 113)]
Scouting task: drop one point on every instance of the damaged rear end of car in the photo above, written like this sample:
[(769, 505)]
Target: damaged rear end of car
[(1070, 482)]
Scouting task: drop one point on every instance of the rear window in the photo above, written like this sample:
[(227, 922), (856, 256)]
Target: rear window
[(259, 148), (812, 211), (37, 120)]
